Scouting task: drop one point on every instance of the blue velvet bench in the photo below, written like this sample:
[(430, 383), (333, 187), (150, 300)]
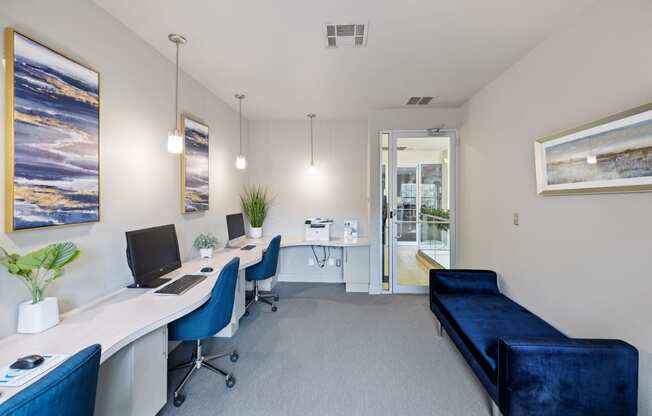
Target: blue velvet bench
[(527, 366)]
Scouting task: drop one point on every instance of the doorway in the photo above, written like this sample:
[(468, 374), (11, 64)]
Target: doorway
[(418, 194)]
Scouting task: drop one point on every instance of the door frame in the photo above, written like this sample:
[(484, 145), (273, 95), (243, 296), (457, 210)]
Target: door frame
[(453, 158)]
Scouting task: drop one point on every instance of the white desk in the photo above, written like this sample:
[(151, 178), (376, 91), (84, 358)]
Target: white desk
[(351, 263), (131, 327)]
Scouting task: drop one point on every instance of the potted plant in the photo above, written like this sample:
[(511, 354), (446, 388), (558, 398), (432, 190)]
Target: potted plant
[(205, 243), (255, 204), (37, 270)]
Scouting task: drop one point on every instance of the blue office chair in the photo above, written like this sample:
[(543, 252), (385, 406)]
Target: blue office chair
[(264, 270), (67, 390), (204, 322)]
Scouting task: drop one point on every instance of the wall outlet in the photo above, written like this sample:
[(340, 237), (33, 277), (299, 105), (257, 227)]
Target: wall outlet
[(311, 261), (516, 218), (338, 262)]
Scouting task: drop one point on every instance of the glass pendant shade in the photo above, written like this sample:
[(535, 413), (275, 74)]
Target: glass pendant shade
[(312, 169), (241, 162), (175, 142)]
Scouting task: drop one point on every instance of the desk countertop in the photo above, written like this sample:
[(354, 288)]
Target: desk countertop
[(125, 315)]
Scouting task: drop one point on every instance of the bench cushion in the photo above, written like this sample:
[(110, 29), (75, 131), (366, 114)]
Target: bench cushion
[(482, 319)]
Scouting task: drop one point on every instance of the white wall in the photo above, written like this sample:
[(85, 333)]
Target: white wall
[(394, 119), (279, 160), (140, 181), (582, 262)]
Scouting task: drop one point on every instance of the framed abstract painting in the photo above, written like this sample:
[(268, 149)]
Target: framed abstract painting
[(613, 154), (53, 133), (194, 166)]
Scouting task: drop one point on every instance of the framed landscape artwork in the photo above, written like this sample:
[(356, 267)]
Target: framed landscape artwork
[(194, 166), (610, 155), (53, 125)]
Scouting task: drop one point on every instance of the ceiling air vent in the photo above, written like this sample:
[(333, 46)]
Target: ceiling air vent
[(347, 36), (419, 100)]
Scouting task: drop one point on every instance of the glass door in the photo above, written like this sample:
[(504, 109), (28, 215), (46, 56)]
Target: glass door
[(417, 185)]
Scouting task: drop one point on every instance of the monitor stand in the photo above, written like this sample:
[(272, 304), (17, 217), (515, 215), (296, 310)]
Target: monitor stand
[(237, 243), (149, 285)]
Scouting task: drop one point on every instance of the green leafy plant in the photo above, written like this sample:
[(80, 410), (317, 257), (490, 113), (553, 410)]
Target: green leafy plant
[(255, 202), (441, 213), (204, 241), (38, 269)]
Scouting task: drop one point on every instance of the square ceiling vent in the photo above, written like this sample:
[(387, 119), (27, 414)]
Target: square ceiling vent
[(352, 35), (419, 100)]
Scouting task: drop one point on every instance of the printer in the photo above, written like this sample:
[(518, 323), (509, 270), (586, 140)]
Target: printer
[(318, 229)]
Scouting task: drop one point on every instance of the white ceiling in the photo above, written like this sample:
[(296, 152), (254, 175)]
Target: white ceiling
[(273, 50)]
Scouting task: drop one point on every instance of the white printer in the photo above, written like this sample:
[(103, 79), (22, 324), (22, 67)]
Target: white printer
[(318, 229)]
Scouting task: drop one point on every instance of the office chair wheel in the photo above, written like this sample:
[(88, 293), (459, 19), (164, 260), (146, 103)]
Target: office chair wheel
[(230, 381), (178, 401), (276, 298), (274, 308), (234, 357)]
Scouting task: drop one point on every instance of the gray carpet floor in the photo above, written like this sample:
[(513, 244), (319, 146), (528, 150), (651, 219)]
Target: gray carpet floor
[(326, 352)]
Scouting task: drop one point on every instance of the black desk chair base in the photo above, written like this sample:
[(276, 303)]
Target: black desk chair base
[(198, 361), (267, 298)]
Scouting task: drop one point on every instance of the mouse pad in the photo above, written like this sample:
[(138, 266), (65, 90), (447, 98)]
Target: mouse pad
[(14, 378)]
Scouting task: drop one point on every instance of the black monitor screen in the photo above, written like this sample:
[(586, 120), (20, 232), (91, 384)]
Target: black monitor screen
[(235, 226), (152, 252)]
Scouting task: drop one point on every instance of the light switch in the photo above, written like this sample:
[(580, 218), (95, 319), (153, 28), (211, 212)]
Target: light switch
[(516, 218)]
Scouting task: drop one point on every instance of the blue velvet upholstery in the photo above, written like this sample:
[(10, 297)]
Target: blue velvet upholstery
[(212, 316), (266, 268), (482, 319), (466, 281), (67, 390), (570, 377), (527, 366)]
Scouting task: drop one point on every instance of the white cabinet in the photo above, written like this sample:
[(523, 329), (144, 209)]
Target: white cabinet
[(133, 382), (355, 268)]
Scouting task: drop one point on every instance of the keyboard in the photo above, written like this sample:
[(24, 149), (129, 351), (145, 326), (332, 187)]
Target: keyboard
[(248, 247), (181, 285)]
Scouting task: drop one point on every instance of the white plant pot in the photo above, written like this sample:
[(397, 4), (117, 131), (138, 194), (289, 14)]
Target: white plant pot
[(37, 317), (206, 253), (256, 232)]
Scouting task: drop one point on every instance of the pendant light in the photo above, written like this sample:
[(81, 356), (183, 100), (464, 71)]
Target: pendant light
[(312, 169), (240, 161), (175, 141)]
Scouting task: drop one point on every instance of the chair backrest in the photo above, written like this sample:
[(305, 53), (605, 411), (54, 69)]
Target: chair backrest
[(223, 294), (267, 266), (68, 390), (215, 314)]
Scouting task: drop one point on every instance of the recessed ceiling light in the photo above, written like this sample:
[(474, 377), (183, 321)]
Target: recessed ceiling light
[(350, 35)]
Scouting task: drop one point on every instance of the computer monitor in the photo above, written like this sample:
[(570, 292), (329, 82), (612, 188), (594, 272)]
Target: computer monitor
[(152, 253), (235, 226)]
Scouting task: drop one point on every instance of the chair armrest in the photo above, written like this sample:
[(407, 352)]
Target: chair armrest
[(571, 377), (463, 281)]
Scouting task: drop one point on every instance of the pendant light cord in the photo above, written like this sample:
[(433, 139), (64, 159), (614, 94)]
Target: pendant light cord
[(176, 95), (312, 146), (240, 100)]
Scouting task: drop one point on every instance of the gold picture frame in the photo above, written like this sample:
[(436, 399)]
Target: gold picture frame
[(195, 165), (610, 155), (57, 110)]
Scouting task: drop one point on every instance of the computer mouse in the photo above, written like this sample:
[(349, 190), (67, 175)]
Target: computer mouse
[(207, 270), (28, 362)]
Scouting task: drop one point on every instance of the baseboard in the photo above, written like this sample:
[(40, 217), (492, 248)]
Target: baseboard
[(357, 287), (307, 278)]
